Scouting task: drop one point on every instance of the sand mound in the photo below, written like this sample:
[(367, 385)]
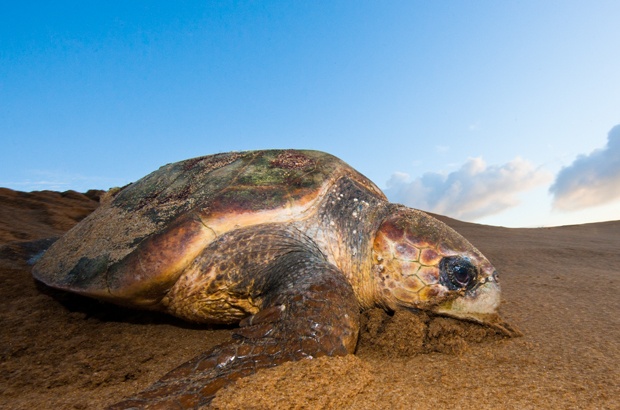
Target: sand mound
[(329, 383), (405, 334)]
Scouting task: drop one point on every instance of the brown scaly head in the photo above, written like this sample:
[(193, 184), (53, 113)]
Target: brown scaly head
[(421, 263)]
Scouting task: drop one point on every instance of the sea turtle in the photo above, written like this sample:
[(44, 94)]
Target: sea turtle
[(291, 245)]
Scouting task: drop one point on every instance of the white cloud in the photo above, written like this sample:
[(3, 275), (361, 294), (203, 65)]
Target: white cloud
[(470, 193), (475, 126), (590, 180), (37, 185), (37, 180)]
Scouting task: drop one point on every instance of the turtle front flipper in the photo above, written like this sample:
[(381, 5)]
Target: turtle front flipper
[(309, 310)]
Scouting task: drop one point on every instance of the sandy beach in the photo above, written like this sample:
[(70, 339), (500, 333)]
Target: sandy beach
[(560, 287)]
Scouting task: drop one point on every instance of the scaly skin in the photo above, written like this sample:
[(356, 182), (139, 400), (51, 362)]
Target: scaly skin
[(311, 313)]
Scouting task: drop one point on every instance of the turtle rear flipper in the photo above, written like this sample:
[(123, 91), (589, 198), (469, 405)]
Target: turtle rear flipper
[(310, 310)]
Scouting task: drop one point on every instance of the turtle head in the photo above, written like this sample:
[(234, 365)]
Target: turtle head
[(421, 263)]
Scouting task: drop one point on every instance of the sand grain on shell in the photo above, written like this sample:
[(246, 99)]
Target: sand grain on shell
[(560, 288)]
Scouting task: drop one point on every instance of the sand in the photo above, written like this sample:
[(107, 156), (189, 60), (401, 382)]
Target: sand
[(560, 286)]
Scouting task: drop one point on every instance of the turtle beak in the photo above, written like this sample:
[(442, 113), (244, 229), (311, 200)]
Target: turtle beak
[(480, 305)]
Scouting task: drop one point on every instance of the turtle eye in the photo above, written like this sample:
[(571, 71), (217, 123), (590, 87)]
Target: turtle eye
[(457, 272)]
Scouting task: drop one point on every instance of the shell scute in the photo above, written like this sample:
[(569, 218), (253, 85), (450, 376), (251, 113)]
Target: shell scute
[(430, 257)]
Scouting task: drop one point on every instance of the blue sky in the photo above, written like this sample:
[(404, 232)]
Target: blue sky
[(499, 112)]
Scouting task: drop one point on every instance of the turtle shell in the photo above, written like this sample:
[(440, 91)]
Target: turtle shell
[(137, 243)]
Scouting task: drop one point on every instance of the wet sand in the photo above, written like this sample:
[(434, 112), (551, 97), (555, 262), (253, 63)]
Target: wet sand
[(560, 286)]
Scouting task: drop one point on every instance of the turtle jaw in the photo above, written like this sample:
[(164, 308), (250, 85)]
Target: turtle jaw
[(479, 305)]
